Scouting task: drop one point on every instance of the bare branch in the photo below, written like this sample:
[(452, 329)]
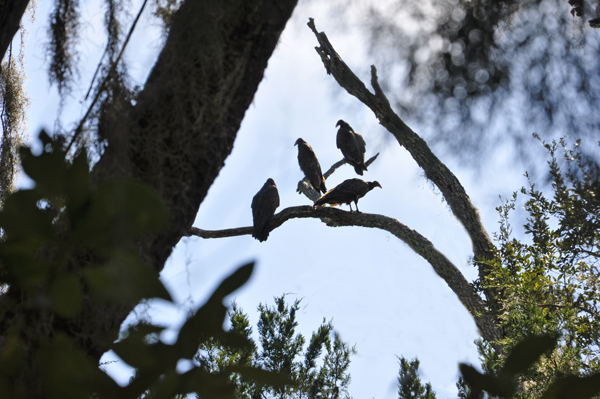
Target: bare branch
[(304, 187), (335, 217), (343, 162), (450, 187), (434, 169)]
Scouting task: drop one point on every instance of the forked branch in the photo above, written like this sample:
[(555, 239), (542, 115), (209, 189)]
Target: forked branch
[(304, 187), (450, 187), (434, 169)]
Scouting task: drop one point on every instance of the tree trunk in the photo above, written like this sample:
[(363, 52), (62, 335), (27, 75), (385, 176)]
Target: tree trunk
[(178, 133), (183, 126), (11, 12)]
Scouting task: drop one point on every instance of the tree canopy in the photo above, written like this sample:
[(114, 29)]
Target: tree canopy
[(115, 193), (470, 65)]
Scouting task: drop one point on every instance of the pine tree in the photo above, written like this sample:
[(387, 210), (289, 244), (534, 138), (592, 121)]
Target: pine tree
[(409, 383)]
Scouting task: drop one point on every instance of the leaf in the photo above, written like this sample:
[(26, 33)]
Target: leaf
[(78, 186), (206, 385), (66, 295), (208, 320), (65, 372), (483, 382), (137, 351), (125, 279), (234, 281), (526, 353), (48, 170), (119, 212), (521, 358), (21, 218), (573, 387)]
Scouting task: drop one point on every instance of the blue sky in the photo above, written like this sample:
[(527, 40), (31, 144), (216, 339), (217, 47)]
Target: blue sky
[(381, 296)]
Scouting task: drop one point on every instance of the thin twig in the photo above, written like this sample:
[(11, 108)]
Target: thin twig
[(304, 186), (103, 84), (96, 73)]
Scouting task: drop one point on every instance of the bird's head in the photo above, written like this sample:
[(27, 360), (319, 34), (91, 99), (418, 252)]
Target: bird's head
[(299, 141), (271, 182), (341, 123), (374, 184)]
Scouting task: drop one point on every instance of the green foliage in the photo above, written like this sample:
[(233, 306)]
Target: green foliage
[(503, 382), (524, 356), (67, 259), (550, 285), (409, 383), (321, 371)]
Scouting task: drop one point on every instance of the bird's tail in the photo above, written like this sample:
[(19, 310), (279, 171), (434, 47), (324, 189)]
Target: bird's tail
[(359, 168), (320, 201), (323, 188), (261, 235)]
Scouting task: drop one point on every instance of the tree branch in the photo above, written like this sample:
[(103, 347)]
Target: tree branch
[(11, 12), (304, 186), (177, 134), (335, 217), (434, 169), (450, 187)]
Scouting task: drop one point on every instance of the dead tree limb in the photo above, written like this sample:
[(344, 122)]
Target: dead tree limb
[(335, 217), (434, 169), (448, 184), (304, 187)]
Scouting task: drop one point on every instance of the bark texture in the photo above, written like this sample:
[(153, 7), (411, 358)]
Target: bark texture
[(186, 118), (182, 126), (450, 187), (333, 217), (11, 12)]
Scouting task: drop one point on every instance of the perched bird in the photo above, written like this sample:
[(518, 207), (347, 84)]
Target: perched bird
[(310, 165), (347, 192), (352, 145), (264, 204)]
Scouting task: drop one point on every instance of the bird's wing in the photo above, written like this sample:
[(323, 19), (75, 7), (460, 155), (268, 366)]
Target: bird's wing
[(362, 146), (310, 166), (264, 204), (353, 189)]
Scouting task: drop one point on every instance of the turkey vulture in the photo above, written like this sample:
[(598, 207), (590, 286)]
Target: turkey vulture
[(310, 165), (346, 192), (264, 204), (352, 145)]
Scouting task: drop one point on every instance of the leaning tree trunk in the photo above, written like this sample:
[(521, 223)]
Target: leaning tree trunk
[(186, 118), (11, 12), (183, 125), (181, 128)]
